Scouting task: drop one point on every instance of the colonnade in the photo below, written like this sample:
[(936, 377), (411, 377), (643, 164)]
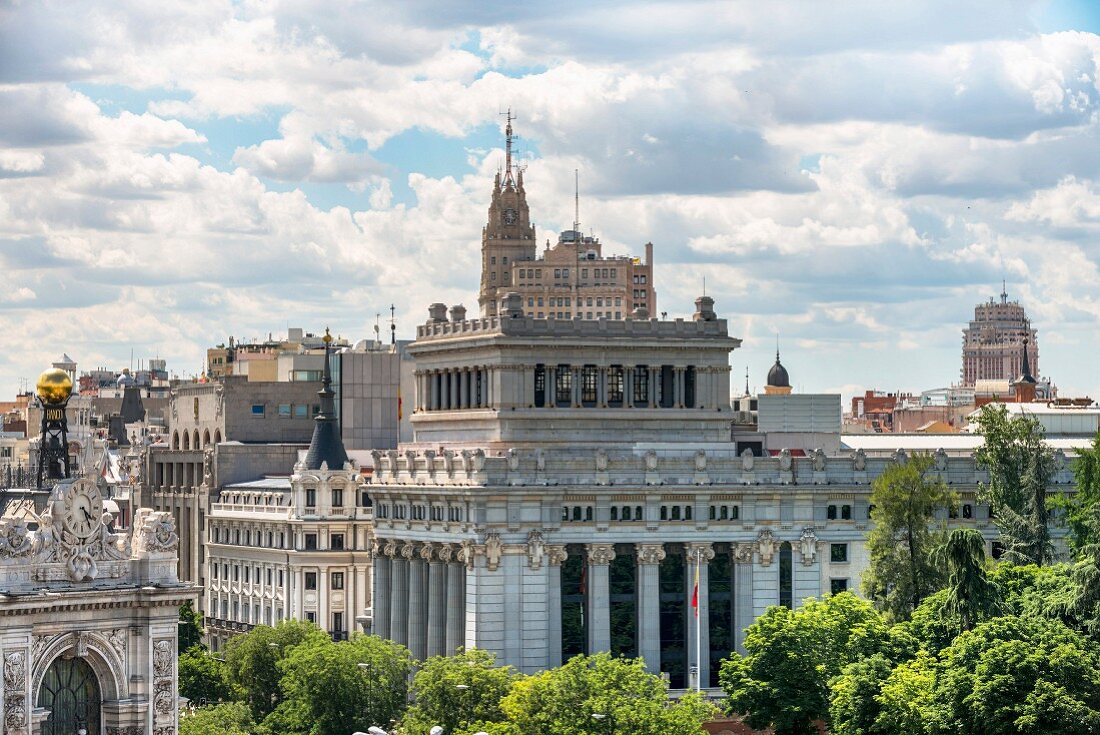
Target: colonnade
[(569, 386), (420, 596)]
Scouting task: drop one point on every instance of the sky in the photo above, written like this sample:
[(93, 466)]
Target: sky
[(848, 177)]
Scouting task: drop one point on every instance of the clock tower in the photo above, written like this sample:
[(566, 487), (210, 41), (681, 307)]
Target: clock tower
[(508, 236)]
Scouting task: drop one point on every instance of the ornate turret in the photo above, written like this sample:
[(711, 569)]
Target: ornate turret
[(326, 445), (1025, 384)]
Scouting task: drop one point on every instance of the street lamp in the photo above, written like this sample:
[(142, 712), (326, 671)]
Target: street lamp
[(466, 701), (609, 719)]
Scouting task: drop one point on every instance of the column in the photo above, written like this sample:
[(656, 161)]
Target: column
[(437, 603), (678, 387), (576, 403), (628, 386), (433, 388), (399, 596), (380, 600), (555, 556), (700, 624), (648, 616), (742, 591), (653, 373), (598, 597), (463, 394), (418, 607), (601, 387), (456, 603)]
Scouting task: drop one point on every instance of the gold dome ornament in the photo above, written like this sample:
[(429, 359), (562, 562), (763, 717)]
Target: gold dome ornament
[(54, 386)]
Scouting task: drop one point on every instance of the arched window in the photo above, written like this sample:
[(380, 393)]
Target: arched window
[(70, 691), (186, 441), (195, 442), (175, 440), (217, 436), (206, 437)]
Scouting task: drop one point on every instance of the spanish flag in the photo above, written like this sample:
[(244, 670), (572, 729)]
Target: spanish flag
[(695, 591)]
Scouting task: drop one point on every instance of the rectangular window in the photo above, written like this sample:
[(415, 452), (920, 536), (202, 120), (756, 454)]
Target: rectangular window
[(565, 273), (338, 622), (268, 577), (337, 580), (284, 410), (337, 498), (301, 411), (311, 617), (641, 385), (584, 273), (590, 375), (557, 273), (838, 552), (311, 542), (311, 580), (615, 385), (689, 387), (311, 497), (540, 385), (280, 577), (563, 388), (836, 586), (846, 512), (613, 273), (337, 542), (258, 410), (666, 386)]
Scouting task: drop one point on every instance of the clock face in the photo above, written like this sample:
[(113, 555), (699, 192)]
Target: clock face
[(510, 216), (83, 509)]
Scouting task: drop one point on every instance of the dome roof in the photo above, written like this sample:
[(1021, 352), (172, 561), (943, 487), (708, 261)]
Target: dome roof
[(125, 380), (777, 376)]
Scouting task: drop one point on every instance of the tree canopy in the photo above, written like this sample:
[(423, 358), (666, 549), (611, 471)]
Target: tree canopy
[(904, 499), (460, 693), (253, 661)]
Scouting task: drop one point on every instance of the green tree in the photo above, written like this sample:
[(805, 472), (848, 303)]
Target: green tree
[(458, 691), (906, 697), (1079, 507), (1017, 675), (253, 660), (853, 707), (1083, 601), (901, 572), (1020, 467), (190, 628), (971, 596), (327, 692), (562, 701), (792, 655), (203, 679), (231, 718)]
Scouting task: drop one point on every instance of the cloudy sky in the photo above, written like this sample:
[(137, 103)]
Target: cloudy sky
[(853, 176)]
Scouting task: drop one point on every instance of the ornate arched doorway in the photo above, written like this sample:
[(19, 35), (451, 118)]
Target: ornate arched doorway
[(70, 691)]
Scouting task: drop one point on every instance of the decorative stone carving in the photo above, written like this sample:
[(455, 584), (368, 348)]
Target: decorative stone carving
[(15, 698), (536, 549), (80, 643), (899, 456), (601, 553), (125, 730), (513, 459), (540, 460), (391, 458), (701, 460), (479, 460), (445, 553), (703, 552), (742, 553), (410, 461), (651, 553), (163, 657), (466, 554), (390, 548), (376, 458), (785, 460), (494, 550), (449, 462), (467, 461), (426, 551), (818, 458), (747, 460), (807, 544), (154, 532), (47, 542), (766, 546), (117, 639), (112, 545), (1059, 460), (429, 460), (651, 460), (859, 460), (408, 550), (601, 460), (940, 458), (15, 538), (208, 467), (556, 555)]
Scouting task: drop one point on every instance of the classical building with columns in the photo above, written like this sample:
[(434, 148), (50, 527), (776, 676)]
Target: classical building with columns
[(565, 476), (294, 547)]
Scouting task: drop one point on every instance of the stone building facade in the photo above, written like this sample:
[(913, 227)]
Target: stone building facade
[(566, 478), (995, 340), (88, 620), (571, 280)]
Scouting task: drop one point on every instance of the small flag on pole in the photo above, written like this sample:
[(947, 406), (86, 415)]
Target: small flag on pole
[(695, 590)]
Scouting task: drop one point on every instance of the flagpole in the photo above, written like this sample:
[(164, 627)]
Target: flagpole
[(698, 644)]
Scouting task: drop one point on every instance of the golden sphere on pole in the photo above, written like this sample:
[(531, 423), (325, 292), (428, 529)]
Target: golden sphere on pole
[(54, 386)]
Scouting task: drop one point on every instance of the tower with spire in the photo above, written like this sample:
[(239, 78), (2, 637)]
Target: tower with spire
[(779, 382), (508, 235)]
